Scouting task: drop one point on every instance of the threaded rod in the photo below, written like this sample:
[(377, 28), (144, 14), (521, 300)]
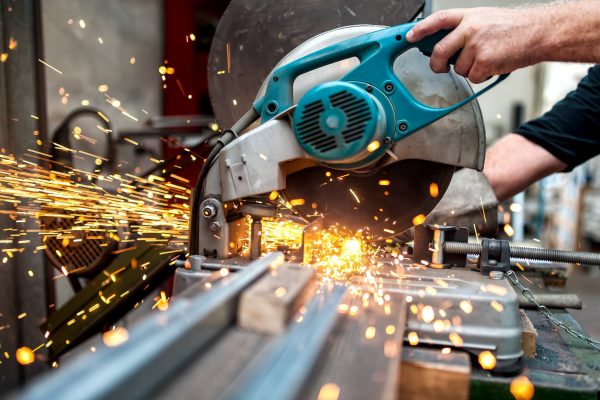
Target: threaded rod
[(530, 253)]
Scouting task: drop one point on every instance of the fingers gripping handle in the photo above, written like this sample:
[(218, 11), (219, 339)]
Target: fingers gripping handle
[(427, 44)]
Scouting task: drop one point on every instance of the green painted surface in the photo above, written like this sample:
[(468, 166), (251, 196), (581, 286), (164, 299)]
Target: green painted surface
[(564, 367)]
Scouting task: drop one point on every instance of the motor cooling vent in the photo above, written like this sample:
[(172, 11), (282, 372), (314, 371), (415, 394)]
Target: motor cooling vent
[(336, 121), (356, 113)]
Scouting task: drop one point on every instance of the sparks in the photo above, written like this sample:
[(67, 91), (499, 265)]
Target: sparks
[(50, 66), (355, 196)]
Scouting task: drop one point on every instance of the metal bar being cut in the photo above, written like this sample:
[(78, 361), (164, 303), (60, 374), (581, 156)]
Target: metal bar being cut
[(158, 347)]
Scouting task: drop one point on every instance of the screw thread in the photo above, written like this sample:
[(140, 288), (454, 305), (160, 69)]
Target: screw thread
[(531, 253)]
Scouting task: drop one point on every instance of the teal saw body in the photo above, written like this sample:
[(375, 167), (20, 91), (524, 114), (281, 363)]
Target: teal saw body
[(389, 112)]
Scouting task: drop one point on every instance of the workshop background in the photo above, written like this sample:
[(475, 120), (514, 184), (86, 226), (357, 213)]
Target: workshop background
[(139, 61)]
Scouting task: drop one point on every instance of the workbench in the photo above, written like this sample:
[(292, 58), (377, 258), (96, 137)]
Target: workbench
[(197, 349)]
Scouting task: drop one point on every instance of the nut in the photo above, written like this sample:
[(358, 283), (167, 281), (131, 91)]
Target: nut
[(209, 211), (214, 226)]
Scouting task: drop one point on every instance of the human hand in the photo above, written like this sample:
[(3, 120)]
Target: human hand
[(491, 41)]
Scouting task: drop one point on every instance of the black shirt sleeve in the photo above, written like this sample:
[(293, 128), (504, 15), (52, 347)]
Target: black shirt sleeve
[(571, 129)]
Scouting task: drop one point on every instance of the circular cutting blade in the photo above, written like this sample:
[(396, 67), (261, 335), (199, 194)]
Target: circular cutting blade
[(253, 35), (383, 203)]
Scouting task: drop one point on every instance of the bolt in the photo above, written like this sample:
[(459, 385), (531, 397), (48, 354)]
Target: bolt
[(496, 274), (369, 88), (209, 211), (388, 87), (387, 140), (403, 126), (275, 79), (492, 262), (214, 226)]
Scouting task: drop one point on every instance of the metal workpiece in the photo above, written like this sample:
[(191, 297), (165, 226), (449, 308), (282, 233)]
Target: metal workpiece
[(157, 347), (204, 269), (183, 279), (364, 355), (553, 300), (281, 370), (484, 312)]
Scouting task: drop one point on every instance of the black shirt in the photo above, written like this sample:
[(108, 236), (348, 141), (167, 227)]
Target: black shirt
[(571, 129)]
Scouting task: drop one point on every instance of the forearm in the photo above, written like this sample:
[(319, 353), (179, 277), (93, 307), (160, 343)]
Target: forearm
[(514, 163), (572, 32)]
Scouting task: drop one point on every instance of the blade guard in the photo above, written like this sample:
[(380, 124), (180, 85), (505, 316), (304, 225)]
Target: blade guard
[(376, 52)]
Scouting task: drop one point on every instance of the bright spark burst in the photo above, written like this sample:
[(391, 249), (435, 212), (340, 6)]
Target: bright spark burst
[(339, 253)]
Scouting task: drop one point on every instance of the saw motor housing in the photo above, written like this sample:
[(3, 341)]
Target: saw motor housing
[(340, 124)]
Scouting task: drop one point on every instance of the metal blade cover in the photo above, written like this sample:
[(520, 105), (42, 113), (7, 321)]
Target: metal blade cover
[(254, 35)]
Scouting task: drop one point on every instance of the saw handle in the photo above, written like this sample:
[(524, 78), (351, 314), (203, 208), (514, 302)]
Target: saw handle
[(427, 44), (376, 52)]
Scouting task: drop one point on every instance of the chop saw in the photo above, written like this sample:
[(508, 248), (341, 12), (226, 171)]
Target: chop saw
[(349, 128)]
